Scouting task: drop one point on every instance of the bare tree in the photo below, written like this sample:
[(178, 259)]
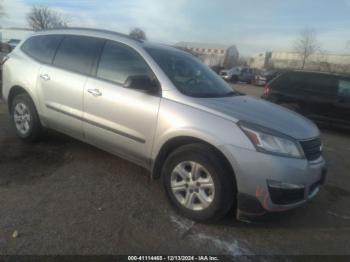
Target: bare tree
[(138, 33), (306, 44), (42, 18)]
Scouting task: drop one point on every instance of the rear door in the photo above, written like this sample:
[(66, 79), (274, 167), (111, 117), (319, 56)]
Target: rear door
[(322, 90), (62, 83)]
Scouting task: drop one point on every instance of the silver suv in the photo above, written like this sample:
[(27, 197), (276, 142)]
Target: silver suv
[(214, 148)]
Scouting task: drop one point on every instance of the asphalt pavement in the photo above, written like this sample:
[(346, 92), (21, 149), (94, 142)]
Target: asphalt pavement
[(61, 196)]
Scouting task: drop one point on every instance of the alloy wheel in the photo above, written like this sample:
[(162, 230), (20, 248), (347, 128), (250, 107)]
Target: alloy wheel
[(192, 185)]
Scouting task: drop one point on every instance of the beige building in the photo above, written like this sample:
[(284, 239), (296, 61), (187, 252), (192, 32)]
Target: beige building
[(212, 54), (318, 62)]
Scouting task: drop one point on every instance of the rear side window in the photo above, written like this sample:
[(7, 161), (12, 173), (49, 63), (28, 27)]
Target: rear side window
[(291, 83), (78, 53), (42, 48), (118, 62), (282, 82), (299, 82)]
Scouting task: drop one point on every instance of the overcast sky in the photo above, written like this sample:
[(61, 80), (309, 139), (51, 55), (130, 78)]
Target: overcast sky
[(252, 25)]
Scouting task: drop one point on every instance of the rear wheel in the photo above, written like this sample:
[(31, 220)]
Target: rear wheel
[(25, 118), (197, 183)]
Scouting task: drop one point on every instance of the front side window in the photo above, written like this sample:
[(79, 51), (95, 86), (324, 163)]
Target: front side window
[(344, 88), (42, 48), (118, 62), (78, 53), (188, 74)]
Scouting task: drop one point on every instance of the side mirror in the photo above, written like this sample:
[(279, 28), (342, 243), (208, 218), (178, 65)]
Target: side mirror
[(142, 82)]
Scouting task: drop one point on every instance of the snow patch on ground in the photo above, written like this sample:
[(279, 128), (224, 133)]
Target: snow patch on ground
[(229, 247), (338, 215), (183, 224)]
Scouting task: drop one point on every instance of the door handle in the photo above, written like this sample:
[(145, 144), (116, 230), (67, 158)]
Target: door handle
[(45, 77), (95, 92)]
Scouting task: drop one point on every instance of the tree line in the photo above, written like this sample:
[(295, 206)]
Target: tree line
[(43, 18)]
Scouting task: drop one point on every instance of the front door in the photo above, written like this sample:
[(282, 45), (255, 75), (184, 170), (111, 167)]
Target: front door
[(116, 118)]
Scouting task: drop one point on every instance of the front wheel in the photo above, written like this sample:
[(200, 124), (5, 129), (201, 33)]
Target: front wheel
[(198, 184), (25, 118)]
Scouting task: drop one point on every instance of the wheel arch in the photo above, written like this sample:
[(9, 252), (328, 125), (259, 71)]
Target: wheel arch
[(14, 91), (178, 141), (17, 90)]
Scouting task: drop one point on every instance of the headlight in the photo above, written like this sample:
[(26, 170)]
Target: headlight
[(269, 141)]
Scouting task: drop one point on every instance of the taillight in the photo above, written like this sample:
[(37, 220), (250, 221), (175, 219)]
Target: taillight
[(267, 90)]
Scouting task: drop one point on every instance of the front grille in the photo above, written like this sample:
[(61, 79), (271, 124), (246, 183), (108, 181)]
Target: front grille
[(312, 148)]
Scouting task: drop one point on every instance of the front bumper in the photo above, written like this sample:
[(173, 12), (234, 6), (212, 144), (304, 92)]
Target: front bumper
[(268, 183)]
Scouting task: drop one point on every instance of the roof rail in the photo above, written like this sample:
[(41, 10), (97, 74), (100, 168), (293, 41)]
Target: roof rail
[(95, 30)]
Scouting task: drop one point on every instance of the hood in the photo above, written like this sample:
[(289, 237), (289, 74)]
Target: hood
[(263, 113)]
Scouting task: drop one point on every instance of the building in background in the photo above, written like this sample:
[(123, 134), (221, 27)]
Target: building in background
[(212, 54), (7, 34), (290, 60)]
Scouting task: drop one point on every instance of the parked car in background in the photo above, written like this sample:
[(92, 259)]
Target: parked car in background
[(217, 69), (263, 77), (323, 97), (238, 74), (13, 43), (7, 47), (163, 109), (227, 74)]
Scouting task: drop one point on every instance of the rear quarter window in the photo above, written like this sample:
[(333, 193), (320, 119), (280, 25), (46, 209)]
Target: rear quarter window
[(281, 82), (42, 48)]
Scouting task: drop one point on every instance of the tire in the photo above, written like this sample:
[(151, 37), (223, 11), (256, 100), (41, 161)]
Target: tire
[(25, 118), (221, 193)]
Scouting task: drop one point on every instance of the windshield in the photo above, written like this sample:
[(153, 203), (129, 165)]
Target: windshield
[(189, 75)]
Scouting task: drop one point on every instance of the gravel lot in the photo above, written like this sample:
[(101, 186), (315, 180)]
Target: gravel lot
[(66, 197)]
